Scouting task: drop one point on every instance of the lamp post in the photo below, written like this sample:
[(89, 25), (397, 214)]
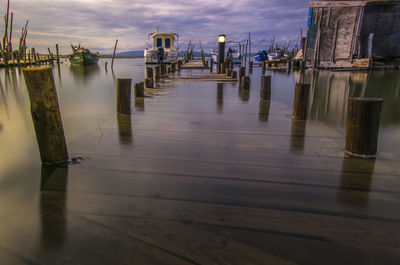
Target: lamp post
[(221, 50)]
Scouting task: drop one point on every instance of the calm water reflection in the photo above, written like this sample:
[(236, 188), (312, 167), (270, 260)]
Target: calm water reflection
[(193, 124)]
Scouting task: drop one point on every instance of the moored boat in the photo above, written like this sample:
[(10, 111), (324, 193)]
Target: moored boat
[(163, 50), (82, 56), (261, 56)]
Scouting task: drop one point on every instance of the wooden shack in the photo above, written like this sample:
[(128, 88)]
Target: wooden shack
[(345, 34)]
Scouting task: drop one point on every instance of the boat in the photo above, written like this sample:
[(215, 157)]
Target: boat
[(82, 56), (163, 49), (261, 56), (232, 53), (276, 54)]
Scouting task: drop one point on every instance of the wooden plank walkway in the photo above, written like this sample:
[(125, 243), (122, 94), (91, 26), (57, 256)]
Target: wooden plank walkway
[(194, 64)]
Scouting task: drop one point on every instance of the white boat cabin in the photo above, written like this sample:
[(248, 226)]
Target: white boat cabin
[(163, 49)]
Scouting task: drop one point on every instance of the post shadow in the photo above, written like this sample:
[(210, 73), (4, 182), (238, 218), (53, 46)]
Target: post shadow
[(263, 110), (125, 128), (53, 200), (297, 137), (355, 181), (220, 96)]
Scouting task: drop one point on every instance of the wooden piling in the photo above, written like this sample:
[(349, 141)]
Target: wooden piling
[(234, 74), (112, 60), (265, 91), (157, 73), (264, 66), (246, 82), (211, 65), (251, 66), (363, 116), (300, 103), (242, 73), (149, 81), (33, 54), (58, 55), (124, 95), (139, 91), (179, 65), (46, 114)]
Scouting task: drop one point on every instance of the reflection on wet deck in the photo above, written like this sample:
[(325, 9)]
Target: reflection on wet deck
[(207, 175)]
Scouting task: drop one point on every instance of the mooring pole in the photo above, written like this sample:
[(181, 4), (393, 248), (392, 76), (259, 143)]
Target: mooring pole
[(179, 65), (300, 103), (363, 116), (149, 82), (112, 60), (46, 114), (246, 82), (139, 91), (58, 55), (157, 73), (124, 95), (242, 72)]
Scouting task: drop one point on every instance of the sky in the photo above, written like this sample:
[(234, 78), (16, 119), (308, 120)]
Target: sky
[(96, 24)]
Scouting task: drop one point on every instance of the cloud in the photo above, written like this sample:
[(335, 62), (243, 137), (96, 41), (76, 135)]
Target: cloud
[(97, 23)]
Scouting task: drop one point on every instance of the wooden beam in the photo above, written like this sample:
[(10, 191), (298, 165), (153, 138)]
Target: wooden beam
[(315, 4), (334, 42)]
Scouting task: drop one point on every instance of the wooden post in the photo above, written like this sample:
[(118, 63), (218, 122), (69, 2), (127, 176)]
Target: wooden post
[(316, 49), (334, 42), (250, 66), (300, 103), (242, 72), (33, 53), (163, 70), (105, 66), (157, 73), (139, 91), (264, 66), (211, 65), (149, 82), (179, 65), (46, 114), (112, 60), (124, 95), (363, 116), (234, 74), (265, 91), (246, 82), (50, 57), (370, 42), (29, 58), (58, 55)]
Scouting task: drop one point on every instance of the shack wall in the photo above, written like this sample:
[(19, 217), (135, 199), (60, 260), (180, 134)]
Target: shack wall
[(382, 19), (325, 19)]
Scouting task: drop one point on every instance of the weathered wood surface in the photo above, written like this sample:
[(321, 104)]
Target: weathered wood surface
[(124, 95), (363, 117), (46, 114), (194, 64)]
